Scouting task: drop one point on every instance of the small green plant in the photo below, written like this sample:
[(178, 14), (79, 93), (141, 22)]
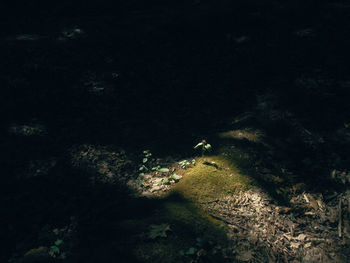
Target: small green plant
[(204, 146), (144, 167), (147, 165), (184, 164), (156, 168), (145, 161), (175, 177), (163, 181)]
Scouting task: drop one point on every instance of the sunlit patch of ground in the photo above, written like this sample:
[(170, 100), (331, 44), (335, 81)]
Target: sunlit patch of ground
[(260, 227), (212, 178)]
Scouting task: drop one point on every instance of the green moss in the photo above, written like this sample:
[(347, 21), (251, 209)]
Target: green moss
[(192, 220), (212, 178), (187, 222)]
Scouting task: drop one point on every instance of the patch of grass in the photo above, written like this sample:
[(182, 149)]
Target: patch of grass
[(212, 178)]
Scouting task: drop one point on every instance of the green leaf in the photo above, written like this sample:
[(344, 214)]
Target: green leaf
[(163, 170), (165, 181), (145, 160), (155, 168), (143, 168), (199, 144), (207, 147), (175, 177), (58, 242), (54, 249), (139, 182), (191, 251), (182, 252)]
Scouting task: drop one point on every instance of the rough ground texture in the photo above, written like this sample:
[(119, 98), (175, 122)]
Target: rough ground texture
[(89, 88)]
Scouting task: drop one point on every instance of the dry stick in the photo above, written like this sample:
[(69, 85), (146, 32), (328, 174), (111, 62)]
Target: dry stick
[(340, 219)]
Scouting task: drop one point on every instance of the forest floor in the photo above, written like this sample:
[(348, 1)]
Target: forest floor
[(104, 104)]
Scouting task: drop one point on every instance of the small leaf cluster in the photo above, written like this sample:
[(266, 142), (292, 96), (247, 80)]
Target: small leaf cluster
[(162, 170), (147, 166), (145, 161), (185, 163), (144, 167), (167, 180)]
